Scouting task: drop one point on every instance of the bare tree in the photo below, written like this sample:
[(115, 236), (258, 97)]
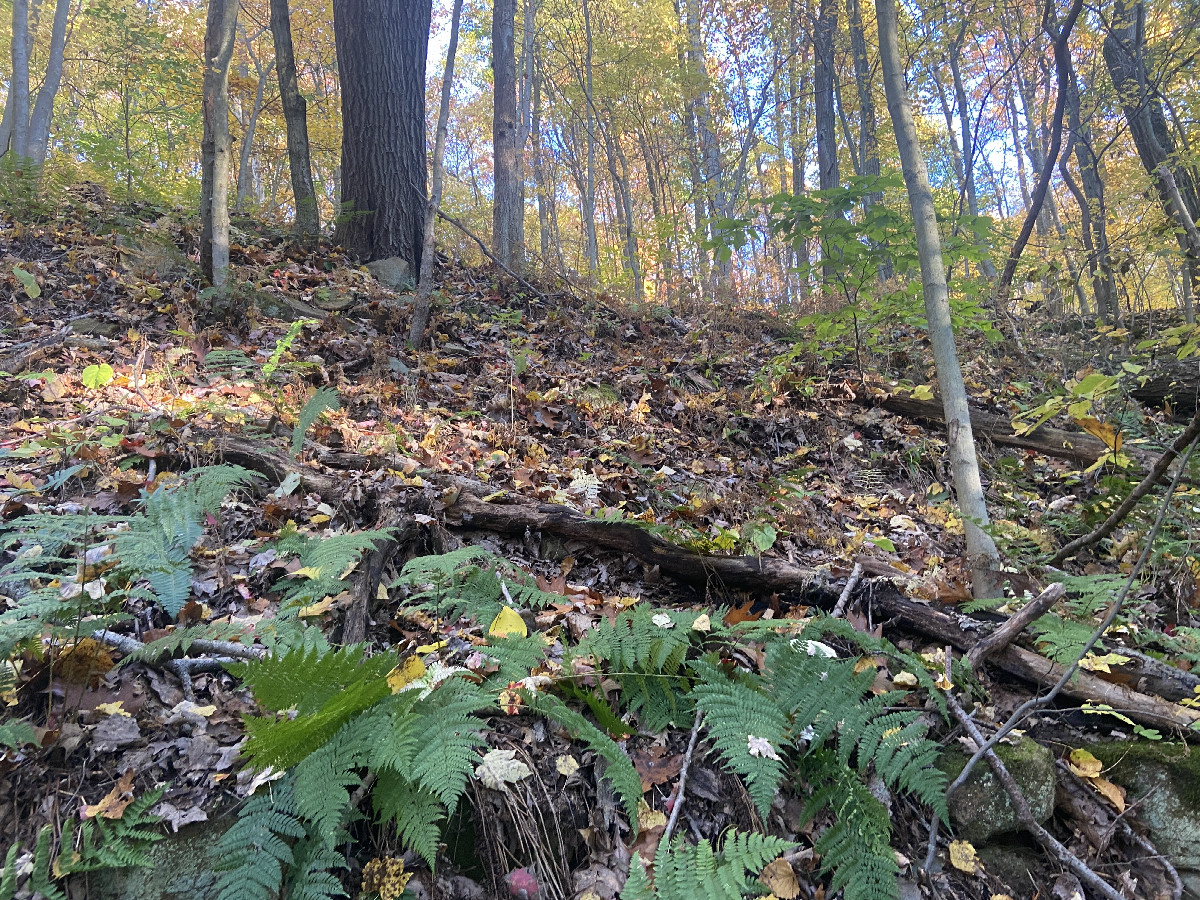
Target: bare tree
[(982, 555), (215, 149), (508, 207), (295, 114)]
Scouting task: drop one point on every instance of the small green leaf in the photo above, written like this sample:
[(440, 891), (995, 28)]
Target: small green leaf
[(96, 376), (883, 544), (31, 286), (762, 537)]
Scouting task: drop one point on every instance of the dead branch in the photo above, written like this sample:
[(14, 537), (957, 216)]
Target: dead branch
[(1104, 529), (1006, 633), (683, 774)]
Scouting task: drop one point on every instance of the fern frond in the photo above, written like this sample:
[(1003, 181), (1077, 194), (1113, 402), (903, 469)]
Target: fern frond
[(181, 639), (515, 655), (311, 875), (322, 399), (735, 711), (322, 783), (684, 872), (16, 732), (257, 848), (467, 582), (325, 562), (450, 733), (620, 772), (416, 812), (308, 680)]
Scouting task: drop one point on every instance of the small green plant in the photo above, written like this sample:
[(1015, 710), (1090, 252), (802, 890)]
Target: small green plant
[(683, 871)]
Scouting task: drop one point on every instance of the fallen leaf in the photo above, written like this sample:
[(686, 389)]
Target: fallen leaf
[(1083, 764), (1113, 793), (499, 769), (963, 858), (757, 746), (779, 878), (648, 818), (508, 621), (112, 709), (412, 669), (566, 765), (114, 803), (702, 623)]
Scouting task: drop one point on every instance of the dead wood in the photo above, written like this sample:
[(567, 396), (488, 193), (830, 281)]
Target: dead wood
[(1007, 633), (402, 530)]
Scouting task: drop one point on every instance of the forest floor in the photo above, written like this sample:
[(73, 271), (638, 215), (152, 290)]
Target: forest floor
[(763, 482)]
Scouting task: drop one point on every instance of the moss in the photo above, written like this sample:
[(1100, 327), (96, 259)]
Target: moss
[(981, 809), (1181, 763), (182, 868)]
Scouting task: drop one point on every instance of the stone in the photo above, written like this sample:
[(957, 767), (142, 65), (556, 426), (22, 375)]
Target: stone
[(980, 809), (392, 272), (1163, 780), (182, 867)]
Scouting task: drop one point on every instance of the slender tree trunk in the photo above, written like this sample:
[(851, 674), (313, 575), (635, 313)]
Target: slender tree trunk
[(868, 139), (797, 67), (982, 556), (6, 124), (824, 77), (245, 174), (967, 129), (381, 50), (421, 303), (539, 172), (589, 195), (19, 87), (215, 150), (43, 109), (716, 198), (307, 225), (508, 213)]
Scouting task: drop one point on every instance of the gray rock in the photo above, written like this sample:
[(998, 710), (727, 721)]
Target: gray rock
[(392, 272), (980, 809), (1163, 779)]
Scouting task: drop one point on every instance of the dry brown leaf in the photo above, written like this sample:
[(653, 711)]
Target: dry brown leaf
[(780, 879)]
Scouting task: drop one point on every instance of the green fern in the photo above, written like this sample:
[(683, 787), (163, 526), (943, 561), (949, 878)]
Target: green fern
[(620, 772), (180, 640), (113, 843), (323, 399), (255, 851), (1062, 639), (324, 562), (687, 872), (16, 732), (470, 582)]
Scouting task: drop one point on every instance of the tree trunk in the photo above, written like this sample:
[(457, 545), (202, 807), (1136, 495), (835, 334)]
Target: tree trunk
[(381, 50), (589, 193), (245, 174), (982, 555), (508, 213), (539, 172), (712, 172), (1124, 50), (215, 150), (6, 124), (307, 225), (38, 141), (421, 303), (19, 86), (828, 175), (967, 130), (868, 140)]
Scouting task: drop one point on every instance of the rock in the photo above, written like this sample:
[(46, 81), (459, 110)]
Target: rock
[(980, 809), (392, 272), (1019, 867), (1163, 779), (95, 327), (182, 867)]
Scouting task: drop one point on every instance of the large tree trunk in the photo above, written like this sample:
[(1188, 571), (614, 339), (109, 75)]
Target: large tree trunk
[(215, 150), (828, 175), (295, 114), (19, 86), (508, 212), (38, 140), (1092, 206), (421, 303), (983, 557), (1124, 49), (381, 50)]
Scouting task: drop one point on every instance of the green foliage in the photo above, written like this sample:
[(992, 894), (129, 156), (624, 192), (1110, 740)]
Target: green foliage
[(470, 582), (113, 843), (322, 399), (687, 872), (256, 849), (274, 362), (620, 772), (180, 640), (324, 561), (16, 732)]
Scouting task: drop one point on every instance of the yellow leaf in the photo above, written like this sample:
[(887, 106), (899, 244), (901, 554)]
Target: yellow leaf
[(1084, 764), (318, 519), (1094, 663), (316, 609), (650, 818), (1001, 897), (963, 858), (1102, 430), (112, 709), (405, 674), (923, 392), (702, 623), (780, 879), (1113, 793), (508, 621), (431, 648), (308, 572), (381, 593), (906, 680), (113, 805), (566, 765)]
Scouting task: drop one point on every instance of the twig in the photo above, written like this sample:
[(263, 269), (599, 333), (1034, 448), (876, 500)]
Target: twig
[(488, 253), (1004, 635), (683, 774), (1021, 806), (856, 575), (184, 667), (1028, 706), (1105, 528)]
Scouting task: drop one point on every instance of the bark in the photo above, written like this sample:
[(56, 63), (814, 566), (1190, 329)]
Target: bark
[(381, 50), (1179, 213), (592, 247), (715, 194), (1124, 55), (508, 219), (6, 124), (307, 225), (824, 75), (19, 86), (38, 140), (421, 302), (983, 558), (868, 138), (1092, 206), (215, 150), (539, 173)]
